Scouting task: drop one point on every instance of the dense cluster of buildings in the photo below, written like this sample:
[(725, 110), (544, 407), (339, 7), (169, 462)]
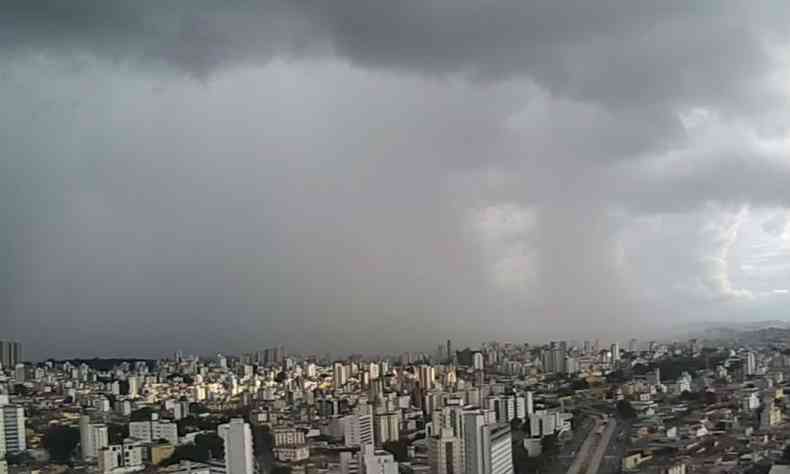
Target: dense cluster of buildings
[(485, 411)]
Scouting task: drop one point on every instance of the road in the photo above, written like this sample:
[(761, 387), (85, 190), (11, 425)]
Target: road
[(601, 453), (601, 447)]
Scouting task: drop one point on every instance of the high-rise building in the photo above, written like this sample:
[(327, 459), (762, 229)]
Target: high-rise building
[(386, 427), (93, 437), (477, 361), (340, 373), (446, 454), (615, 350), (529, 402), (358, 430), (238, 446), (487, 446), (377, 462), (501, 453), (10, 354), (426, 376), (12, 429), (751, 363), (476, 443), (449, 350)]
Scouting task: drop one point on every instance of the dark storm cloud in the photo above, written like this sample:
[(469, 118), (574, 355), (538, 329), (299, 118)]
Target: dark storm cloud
[(333, 170)]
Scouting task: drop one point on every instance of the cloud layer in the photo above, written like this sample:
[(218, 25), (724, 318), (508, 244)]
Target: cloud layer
[(379, 177)]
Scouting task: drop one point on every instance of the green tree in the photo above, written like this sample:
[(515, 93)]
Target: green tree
[(625, 409), (60, 441), (143, 414), (515, 424), (116, 433), (263, 441), (399, 449), (549, 445)]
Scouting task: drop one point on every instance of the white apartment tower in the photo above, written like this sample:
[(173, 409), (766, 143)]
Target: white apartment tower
[(12, 429), (238, 446)]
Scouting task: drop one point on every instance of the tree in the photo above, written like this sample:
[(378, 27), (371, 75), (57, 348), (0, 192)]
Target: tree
[(263, 441), (60, 441), (399, 449), (280, 377), (515, 424), (116, 433), (143, 414), (549, 445), (205, 447), (21, 390), (277, 469), (625, 409), (211, 443)]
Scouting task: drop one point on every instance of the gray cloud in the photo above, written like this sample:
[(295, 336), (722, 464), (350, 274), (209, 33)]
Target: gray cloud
[(382, 176)]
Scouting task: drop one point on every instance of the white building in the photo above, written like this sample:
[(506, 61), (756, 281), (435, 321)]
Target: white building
[(378, 462), (487, 447), (238, 446), (154, 430), (358, 430), (93, 438), (12, 429), (386, 427), (124, 457)]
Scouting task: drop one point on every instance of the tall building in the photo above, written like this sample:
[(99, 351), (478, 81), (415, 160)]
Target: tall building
[(751, 363), (386, 427), (93, 438), (340, 373), (446, 454), (377, 462), (426, 376), (238, 446), (10, 354), (615, 350), (501, 453), (487, 446), (449, 350), (476, 443), (12, 429), (358, 430)]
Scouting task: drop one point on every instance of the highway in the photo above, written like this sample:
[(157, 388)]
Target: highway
[(591, 454)]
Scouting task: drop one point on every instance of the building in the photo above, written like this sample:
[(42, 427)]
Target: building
[(12, 429), (476, 442), (446, 454), (154, 430), (386, 427), (501, 454), (340, 374), (358, 430), (615, 350), (128, 455), (349, 463), (93, 438), (751, 363), (377, 462), (426, 376), (10, 354), (504, 407), (487, 447), (238, 446)]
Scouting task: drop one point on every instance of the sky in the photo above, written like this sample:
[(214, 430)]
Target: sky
[(365, 176)]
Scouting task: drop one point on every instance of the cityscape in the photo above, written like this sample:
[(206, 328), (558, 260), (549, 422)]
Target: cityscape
[(394, 236), (699, 405)]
